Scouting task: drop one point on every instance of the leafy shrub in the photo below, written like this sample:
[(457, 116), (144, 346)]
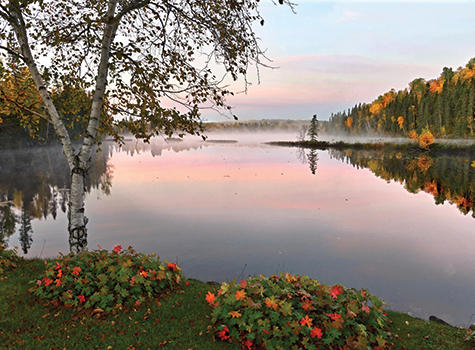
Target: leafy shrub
[(293, 312), (426, 138), (105, 280), (8, 259)]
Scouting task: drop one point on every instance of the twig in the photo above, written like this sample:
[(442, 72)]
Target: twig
[(42, 249)]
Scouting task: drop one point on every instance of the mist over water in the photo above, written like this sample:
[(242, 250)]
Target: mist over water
[(226, 210)]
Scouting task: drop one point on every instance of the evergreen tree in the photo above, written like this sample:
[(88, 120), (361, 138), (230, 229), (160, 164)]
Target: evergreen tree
[(313, 129)]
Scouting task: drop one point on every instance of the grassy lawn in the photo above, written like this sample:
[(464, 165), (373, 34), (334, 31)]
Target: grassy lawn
[(177, 321)]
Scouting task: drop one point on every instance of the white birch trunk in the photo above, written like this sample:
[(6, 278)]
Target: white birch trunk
[(78, 164)]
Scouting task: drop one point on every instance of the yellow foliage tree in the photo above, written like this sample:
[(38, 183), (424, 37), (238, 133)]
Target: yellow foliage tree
[(349, 122), (375, 108), (412, 134), (400, 121), (19, 98), (426, 138), (436, 86)]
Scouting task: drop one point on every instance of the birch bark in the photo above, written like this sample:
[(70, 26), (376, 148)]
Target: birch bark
[(78, 163)]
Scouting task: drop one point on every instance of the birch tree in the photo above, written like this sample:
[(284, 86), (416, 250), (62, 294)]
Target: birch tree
[(157, 63)]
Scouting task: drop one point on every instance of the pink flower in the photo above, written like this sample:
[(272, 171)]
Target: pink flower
[(365, 308), (117, 249), (137, 302)]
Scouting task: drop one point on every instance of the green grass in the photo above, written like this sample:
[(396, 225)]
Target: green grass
[(177, 321)]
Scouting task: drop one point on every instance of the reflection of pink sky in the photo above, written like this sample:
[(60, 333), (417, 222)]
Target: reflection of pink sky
[(218, 207), (338, 196)]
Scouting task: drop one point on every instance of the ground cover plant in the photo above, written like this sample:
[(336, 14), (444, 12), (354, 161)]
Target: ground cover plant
[(105, 280), (294, 312), (177, 320), (8, 259)]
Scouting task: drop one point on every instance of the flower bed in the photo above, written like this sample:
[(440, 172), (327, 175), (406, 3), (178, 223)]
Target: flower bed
[(293, 312), (99, 279)]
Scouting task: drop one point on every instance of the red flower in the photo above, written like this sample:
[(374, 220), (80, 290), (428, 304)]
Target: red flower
[(172, 267), (47, 281), (76, 270), (222, 334), (210, 298), (143, 273), (334, 316), (248, 344), (58, 282), (306, 321), (316, 332), (58, 266), (117, 249), (336, 290), (82, 299)]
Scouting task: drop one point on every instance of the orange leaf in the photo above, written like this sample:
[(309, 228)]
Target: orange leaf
[(240, 294)]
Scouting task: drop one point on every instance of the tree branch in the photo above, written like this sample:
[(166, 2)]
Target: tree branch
[(5, 97)]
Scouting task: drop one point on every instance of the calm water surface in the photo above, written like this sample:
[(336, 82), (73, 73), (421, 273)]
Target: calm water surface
[(229, 210)]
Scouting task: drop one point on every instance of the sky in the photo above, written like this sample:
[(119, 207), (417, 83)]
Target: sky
[(332, 55)]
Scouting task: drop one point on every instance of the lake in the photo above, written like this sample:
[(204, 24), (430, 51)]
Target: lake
[(226, 210)]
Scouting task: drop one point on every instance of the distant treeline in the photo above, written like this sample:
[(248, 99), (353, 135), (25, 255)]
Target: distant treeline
[(258, 125), (445, 106)]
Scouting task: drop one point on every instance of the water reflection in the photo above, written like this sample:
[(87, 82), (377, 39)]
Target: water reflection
[(219, 207), (311, 158), (34, 184), (447, 178)]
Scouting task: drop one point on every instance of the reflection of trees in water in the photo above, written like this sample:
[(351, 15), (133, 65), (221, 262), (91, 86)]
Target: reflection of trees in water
[(34, 184), (311, 158), (446, 178), (158, 145), (26, 231), (8, 219)]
